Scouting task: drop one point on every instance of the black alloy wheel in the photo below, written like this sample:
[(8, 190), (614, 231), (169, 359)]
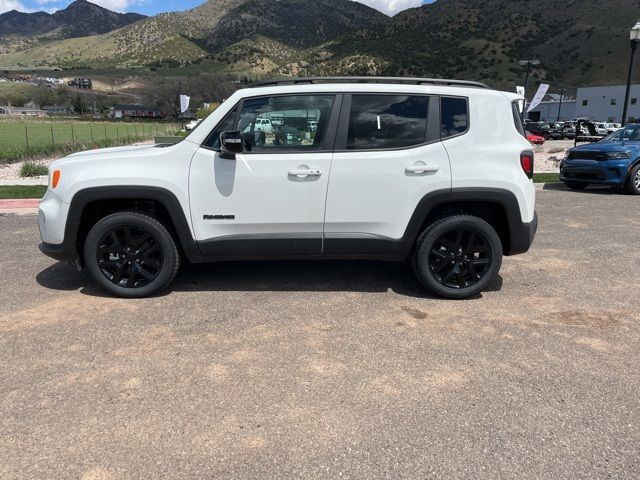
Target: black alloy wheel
[(459, 258), (129, 256)]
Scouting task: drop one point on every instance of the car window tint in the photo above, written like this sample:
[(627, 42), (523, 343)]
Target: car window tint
[(226, 125), (287, 122), (455, 116), (387, 121)]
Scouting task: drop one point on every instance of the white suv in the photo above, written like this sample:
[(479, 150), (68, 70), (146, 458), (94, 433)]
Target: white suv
[(435, 171)]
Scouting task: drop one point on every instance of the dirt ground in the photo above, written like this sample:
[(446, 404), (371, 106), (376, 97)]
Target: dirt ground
[(331, 370)]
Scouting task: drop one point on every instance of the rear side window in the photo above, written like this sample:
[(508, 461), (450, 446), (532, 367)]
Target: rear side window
[(387, 121), (517, 120), (454, 112)]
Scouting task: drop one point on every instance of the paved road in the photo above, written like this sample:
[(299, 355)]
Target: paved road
[(328, 370)]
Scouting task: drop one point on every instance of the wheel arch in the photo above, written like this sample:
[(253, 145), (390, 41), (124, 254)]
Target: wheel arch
[(498, 207), (91, 204)]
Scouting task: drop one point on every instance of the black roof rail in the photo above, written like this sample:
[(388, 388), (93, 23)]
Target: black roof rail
[(412, 80)]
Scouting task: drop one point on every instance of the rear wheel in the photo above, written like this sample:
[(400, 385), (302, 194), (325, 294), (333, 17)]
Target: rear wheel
[(131, 254), (576, 186), (458, 256), (633, 181)]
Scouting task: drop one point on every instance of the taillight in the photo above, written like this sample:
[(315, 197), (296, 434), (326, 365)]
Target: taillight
[(526, 162)]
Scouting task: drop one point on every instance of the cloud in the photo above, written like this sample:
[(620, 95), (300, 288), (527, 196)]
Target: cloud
[(6, 5), (391, 7)]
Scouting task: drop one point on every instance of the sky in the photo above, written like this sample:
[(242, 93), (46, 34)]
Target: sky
[(151, 7)]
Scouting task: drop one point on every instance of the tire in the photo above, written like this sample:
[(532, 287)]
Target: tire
[(576, 186), (434, 249), (632, 186), (131, 255)]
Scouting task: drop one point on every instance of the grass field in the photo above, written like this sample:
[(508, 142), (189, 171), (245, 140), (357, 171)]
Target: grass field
[(550, 177), (22, 191), (22, 139)]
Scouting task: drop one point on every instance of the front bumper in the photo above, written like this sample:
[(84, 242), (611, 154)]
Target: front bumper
[(594, 171), (59, 252), (522, 235)]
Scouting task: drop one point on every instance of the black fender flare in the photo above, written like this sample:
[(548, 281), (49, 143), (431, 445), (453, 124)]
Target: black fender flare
[(84, 197)]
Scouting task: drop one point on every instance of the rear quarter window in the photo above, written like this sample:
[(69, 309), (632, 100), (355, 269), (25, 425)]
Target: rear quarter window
[(454, 114)]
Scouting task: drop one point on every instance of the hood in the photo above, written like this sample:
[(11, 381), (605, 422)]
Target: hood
[(609, 146), (112, 153)]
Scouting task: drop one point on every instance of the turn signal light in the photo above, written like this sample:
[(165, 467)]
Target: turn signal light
[(526, 162), (55, 179)]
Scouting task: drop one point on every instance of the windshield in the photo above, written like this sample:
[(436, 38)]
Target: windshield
[(630, 133)]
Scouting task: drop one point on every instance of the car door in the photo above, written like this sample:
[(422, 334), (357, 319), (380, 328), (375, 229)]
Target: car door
[(270, 199), (388, 157)]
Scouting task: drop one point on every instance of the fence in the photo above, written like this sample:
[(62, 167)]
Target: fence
[(23, 139)]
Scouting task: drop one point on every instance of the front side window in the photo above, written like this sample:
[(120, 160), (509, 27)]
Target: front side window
[(287, 122), (387, 121), (454, 112), (226, 125)]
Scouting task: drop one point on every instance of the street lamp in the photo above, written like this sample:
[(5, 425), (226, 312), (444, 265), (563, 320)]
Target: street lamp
[(528, 64), (635, 39)]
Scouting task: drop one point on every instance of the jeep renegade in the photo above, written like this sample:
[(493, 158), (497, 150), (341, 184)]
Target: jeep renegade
[(433, 171)]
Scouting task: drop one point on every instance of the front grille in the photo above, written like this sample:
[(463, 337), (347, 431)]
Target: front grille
[(585, 155), (584, 175)]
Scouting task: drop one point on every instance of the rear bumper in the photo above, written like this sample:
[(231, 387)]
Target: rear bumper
[(522, 235)]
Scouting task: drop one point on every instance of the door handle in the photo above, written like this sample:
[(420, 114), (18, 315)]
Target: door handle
[(422, 168), (305, 172)]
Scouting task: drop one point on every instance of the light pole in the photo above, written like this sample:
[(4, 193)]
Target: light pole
[(635, 39), (527, 63), (560, 105)]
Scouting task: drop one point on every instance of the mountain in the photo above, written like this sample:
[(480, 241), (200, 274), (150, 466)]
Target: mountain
[(79, 19), (194, 35), (579, 41), (296, 23)]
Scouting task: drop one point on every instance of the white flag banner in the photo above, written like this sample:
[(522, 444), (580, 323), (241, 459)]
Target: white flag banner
[(537, 98), (520, 91), (184, 103)]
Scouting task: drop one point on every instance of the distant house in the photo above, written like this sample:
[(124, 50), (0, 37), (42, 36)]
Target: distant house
[(134, 111), (84, 83), (56, 110), (26, 111)]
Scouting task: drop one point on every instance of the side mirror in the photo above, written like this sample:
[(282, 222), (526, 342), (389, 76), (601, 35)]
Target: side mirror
[(230, 145)]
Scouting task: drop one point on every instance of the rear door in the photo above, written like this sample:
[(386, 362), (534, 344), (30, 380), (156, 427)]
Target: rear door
[(271, 198), (388, 157)]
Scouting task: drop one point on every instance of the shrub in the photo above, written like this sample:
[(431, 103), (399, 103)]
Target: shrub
[(31, 169)]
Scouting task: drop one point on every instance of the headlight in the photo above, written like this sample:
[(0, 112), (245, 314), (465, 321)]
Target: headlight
[(618, 155)]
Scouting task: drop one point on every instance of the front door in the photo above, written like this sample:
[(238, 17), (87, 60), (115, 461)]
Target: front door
[(270, 200)]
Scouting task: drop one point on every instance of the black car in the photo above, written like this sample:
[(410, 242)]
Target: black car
[(541, 129)]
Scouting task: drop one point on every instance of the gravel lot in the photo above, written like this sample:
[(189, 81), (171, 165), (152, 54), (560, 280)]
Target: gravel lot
[(327, 370)]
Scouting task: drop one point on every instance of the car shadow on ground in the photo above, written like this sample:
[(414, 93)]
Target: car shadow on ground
[(591, 189), (267, 276)]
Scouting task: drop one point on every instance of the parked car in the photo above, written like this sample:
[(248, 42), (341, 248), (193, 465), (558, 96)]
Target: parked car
[(614, 160), (535, 139), (263, 125), (612, 127), (430, 173), (540, 129), (288, 135), (556, 131), (601, 129), (569, 130)]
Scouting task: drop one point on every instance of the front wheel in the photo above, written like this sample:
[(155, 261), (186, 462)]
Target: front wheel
[(633, 181), (131, 255), (458, 257)]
